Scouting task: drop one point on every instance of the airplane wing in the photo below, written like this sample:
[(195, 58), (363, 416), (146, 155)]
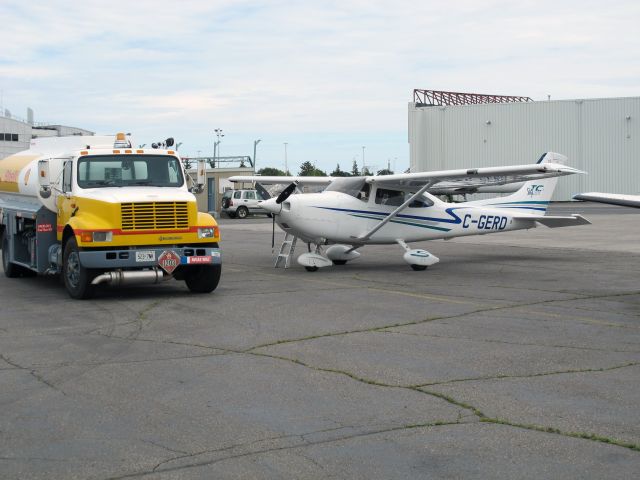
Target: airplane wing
[(612, 198), (488, 179), (472, 178), (281, 180)]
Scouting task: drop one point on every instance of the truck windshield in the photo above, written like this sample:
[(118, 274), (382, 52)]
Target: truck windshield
[(129, 170)]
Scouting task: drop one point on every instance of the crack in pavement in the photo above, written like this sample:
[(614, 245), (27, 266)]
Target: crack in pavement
[(530, 375), (34, 374), (125, 362), (276, 449), (482, 416), (491, 340), (405, 324)]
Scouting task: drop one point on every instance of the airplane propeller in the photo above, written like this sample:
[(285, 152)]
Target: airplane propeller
[(286, 193)]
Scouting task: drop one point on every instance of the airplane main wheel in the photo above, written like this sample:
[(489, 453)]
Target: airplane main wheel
[(418, 268), (339, 262), (311, 269)]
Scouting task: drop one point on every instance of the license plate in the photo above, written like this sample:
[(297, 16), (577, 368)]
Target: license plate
[(145, 256)]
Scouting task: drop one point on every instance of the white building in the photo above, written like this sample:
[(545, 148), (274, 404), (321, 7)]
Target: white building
[(600, 136), (16, 134)]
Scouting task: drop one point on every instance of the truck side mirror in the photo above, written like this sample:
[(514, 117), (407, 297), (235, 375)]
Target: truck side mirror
[(43, 178)]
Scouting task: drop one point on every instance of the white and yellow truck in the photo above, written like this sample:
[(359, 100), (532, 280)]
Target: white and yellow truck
[(98, 211)]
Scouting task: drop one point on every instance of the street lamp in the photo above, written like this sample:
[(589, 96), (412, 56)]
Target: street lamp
[(363, 165), (255, 144), (286, 167), (216, 145)]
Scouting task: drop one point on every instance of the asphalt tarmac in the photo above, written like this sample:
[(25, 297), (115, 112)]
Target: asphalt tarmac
[(516, 356)]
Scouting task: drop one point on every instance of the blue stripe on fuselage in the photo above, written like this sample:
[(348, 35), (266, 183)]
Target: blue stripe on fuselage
[(455, 220)]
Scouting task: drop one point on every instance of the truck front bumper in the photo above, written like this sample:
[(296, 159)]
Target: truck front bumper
[(147, 257)]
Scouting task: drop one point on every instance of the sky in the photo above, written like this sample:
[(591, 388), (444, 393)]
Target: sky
[(325, 77)]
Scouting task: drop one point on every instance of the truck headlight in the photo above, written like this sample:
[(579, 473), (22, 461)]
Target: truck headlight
[(88, 237), (207, 232), (102, 236)]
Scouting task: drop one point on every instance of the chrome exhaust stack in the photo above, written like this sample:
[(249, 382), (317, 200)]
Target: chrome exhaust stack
[(118, 277)]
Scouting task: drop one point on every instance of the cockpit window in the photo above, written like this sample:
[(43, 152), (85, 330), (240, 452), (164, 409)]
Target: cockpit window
[(395, 198)]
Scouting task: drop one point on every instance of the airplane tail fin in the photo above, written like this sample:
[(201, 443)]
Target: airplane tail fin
[(535, 195)]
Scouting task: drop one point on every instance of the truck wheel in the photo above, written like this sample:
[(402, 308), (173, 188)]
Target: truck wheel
[(11, 270), (203, 278), (77, 279), (242, 212)]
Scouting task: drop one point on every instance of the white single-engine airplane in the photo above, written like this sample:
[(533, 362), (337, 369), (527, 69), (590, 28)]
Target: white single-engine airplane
[(356, 211)]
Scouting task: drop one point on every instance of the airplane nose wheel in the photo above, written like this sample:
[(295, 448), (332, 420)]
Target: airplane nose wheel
[(311, 269), (418, 268)]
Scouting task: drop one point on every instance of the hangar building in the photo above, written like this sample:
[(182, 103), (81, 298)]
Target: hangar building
[(459, 130)]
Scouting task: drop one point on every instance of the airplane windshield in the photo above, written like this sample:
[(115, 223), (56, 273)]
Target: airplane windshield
[(354, 186), (129, 170)]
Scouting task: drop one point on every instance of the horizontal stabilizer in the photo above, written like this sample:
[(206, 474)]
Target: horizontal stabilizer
[(557, 221)]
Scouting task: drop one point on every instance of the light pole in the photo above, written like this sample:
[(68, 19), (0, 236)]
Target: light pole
[(255, 144), (216, 145), (286, 167), (363, 165)]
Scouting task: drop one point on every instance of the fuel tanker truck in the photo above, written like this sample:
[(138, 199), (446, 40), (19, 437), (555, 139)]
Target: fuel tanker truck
[(99, 212)]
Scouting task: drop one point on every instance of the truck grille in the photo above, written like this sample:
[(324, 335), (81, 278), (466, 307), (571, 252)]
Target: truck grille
[(154, 215)]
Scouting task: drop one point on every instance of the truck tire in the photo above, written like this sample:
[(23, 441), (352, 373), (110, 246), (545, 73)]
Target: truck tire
[(242, 212), (77, 279), (203, 278), (11, 270)]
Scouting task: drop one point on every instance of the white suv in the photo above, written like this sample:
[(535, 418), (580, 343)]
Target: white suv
[(241, 203)]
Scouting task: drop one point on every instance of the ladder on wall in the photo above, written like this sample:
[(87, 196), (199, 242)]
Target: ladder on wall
[(286, 251)]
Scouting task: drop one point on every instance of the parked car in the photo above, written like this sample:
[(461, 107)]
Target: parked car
[(241, 203)]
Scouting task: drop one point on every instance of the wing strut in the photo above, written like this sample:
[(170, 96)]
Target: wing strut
[(393, 214)]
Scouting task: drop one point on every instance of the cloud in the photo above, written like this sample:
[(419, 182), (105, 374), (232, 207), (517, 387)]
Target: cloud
[(302, 68)]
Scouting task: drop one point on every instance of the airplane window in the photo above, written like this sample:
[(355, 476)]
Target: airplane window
[(420, 202), (394, 198)]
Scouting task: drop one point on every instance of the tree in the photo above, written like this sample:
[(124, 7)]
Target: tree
[(339, 173), (366, 172), (354, 169), (385, 171), (271, 172), (308, 170)]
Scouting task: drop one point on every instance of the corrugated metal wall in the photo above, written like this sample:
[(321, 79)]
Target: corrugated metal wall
[(600, 136)]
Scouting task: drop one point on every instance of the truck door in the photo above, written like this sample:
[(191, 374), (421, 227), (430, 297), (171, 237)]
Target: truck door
[(66, 203)]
